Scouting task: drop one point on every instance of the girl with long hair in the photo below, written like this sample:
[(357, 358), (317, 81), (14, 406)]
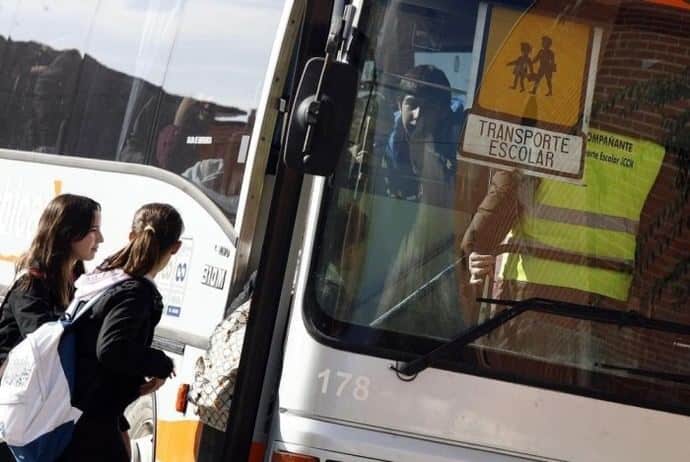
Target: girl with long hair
[(115, 361), (69, 232)]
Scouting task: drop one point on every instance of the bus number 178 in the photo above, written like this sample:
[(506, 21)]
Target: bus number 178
[(359, 387)]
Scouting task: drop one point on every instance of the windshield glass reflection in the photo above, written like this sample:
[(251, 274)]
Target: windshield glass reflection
[(511, 153), (171, 83)]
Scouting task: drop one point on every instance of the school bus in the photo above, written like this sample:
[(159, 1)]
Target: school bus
[(468, 220)]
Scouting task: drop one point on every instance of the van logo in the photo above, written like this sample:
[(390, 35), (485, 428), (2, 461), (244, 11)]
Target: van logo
[(173, 311), (222, 250), (213, 277), (199, 140), (180, 272)]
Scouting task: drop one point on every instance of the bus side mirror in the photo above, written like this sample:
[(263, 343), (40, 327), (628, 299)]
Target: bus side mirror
[(321, 115)]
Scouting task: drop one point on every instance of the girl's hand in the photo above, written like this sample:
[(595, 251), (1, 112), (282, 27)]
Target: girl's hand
[(151, 385)]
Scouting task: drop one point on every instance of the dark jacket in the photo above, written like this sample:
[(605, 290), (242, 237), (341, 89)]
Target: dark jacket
[(496, 215), (24, 310), (114, 353), (428, 170)]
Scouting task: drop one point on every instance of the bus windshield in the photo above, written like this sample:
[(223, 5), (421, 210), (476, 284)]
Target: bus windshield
[(505, 151)]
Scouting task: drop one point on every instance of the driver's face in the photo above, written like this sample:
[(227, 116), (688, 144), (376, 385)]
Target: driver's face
[(418, 112), (409, 112)]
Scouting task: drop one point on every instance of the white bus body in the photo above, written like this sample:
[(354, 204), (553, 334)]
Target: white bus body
[(366, 269)]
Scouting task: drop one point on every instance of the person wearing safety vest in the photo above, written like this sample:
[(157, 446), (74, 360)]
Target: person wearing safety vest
[(566, 241), (562, 241)]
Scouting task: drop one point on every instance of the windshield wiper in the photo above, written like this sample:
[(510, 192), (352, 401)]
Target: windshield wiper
[(540, 305), (680, 378)]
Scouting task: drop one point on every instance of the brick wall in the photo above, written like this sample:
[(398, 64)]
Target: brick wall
[(642, 91)]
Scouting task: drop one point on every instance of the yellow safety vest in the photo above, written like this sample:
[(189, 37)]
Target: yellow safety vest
[(583, 236)]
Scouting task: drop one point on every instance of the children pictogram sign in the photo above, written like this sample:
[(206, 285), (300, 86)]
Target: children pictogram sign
[(530, 102)]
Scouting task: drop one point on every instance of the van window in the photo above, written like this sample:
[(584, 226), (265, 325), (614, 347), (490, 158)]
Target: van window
[(172, 83), (212, 88), (119, 85), (41, 62)]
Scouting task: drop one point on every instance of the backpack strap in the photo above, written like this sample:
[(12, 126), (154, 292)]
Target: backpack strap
[(76, 308)]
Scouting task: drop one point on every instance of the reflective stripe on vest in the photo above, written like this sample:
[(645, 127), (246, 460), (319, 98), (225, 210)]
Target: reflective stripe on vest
[(580, 218), (583, 236)]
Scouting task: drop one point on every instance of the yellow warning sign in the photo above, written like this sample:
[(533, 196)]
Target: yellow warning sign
[(538, 72), (531, 97)]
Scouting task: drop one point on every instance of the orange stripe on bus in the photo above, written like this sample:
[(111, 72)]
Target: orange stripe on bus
[(682, 4), (256, 453), (177, 440), (9, 258), (57, 187)]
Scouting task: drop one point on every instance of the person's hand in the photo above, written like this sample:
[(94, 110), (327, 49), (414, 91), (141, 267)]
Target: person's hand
[(479, 266), (152, 384)]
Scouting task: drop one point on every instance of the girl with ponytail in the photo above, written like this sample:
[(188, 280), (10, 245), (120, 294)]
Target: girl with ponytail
[(115, 361)]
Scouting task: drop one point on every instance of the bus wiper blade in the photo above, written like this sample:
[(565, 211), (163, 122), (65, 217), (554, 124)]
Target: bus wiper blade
[(541, 305), (680, 378)]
